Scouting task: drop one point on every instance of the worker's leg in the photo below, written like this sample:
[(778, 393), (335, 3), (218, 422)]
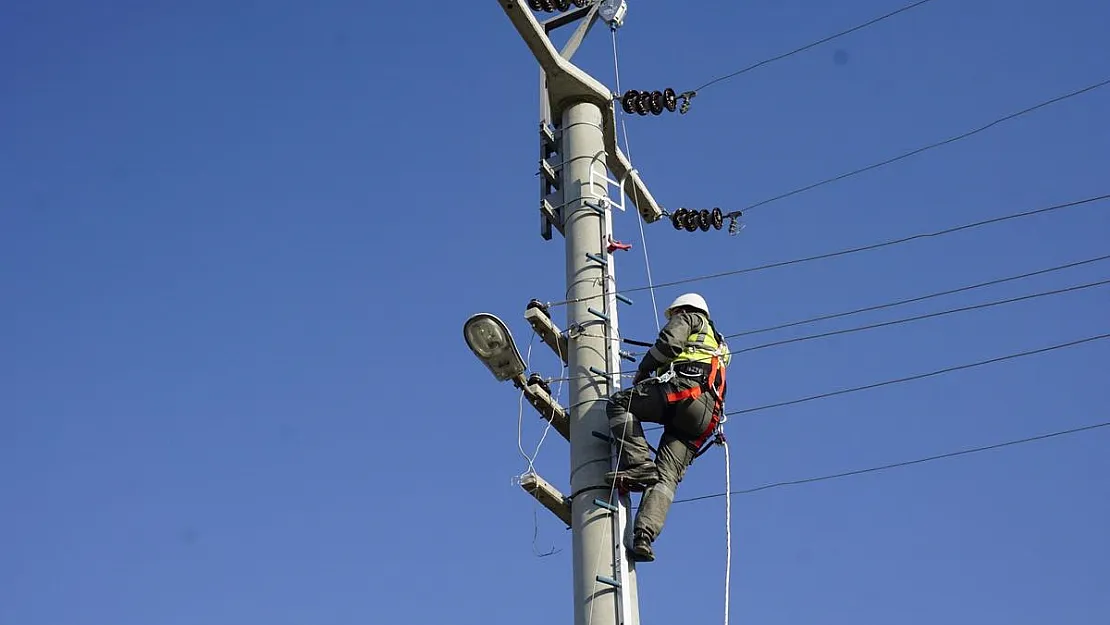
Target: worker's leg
[(672, 460), (627, 409), (675, 455)]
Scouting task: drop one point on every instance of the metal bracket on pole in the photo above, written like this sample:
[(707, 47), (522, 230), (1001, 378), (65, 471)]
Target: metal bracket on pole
[(573, 85), (551, 192), (548, 331), (548, 496), (549, 409), (549, 218)]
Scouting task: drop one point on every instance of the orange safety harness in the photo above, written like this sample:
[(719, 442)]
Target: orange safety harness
[(715, 384)]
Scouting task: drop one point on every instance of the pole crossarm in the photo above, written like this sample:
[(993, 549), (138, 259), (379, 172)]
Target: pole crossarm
[(547, 330), (567, 85), (549, 409), (547, 495)]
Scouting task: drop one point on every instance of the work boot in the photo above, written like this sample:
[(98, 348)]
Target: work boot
[(641, 548), (636, 479)]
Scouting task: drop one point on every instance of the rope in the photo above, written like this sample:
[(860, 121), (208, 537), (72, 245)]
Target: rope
[(635, 190), (728, 522), (624, 434), (612, 489), (520, 414)]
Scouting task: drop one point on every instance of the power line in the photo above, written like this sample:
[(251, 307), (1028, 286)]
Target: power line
[(929, 147), (898, 465), (814, 44), (915, 299), (920, 376), (951, 311), (855, 250)]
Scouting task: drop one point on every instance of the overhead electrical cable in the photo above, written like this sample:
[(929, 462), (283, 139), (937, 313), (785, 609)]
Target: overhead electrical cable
[(912, 300), (921, 376), (931, 146), (932, 315), (814, 44), (856, 250), (907, 463)]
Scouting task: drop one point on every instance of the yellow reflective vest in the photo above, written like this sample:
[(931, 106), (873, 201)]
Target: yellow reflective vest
[(703, 346)]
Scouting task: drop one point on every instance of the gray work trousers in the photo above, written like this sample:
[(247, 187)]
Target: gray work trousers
[(684, 422)]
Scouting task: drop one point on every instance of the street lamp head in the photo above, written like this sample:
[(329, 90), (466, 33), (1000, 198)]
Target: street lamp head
[(490, 340)]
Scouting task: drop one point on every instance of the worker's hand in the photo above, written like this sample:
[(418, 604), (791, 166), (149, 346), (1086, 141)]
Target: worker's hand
[(640, 377)]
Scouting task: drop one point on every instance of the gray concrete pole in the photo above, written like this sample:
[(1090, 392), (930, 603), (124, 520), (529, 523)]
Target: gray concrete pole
[(589, 456)]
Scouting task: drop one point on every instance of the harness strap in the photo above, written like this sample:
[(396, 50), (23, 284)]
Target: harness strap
[(693, 392)]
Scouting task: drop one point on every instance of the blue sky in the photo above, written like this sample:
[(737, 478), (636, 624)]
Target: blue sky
[(238, 243)]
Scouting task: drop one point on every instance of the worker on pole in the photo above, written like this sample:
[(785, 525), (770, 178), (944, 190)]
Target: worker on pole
[(680, 384)]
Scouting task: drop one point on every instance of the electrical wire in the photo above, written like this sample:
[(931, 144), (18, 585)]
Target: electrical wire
[(931, 146), (855, 250), (904, 320), (899, 321), (898, 465), (932, 315), (814, 44), (635, 189), (916, 299), (921, 376)]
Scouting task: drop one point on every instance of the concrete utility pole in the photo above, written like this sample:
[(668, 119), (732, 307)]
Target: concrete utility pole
[(589, 456), (579, 161)]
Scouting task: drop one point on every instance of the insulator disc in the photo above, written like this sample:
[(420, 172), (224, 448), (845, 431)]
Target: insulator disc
[(581, 3), (718, 218), (677, 218), (705, 222), (548, 5), (643, 103), (562, 5), (690, 221), (670, 99), (536, 5), (657, 104), (628, 102)]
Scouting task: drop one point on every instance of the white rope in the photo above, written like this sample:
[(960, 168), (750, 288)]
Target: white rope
[(520, 413), (635, 191), (728, 523)]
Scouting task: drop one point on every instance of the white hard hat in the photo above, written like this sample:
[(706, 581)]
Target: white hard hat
[(688, 299)]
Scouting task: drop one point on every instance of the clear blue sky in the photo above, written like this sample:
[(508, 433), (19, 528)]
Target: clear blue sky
[(238, 242)]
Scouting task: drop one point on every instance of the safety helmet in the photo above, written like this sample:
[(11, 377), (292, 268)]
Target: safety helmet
[(692, 300)]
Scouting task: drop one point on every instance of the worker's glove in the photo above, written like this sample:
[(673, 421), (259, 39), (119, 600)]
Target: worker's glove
[(640, 377)]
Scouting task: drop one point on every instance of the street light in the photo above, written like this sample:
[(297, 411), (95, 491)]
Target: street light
[(490, 340)]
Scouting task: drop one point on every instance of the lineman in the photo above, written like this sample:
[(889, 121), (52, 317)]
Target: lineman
[(680, 384)]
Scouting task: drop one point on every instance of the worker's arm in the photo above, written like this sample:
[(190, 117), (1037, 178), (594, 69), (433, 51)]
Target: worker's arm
[(671, 342)]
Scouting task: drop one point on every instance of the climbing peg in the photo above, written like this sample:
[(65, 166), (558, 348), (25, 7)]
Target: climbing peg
[(604, 504), (600, 210), (597, 371), (600, 315), (609, 581), (604, 437)]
